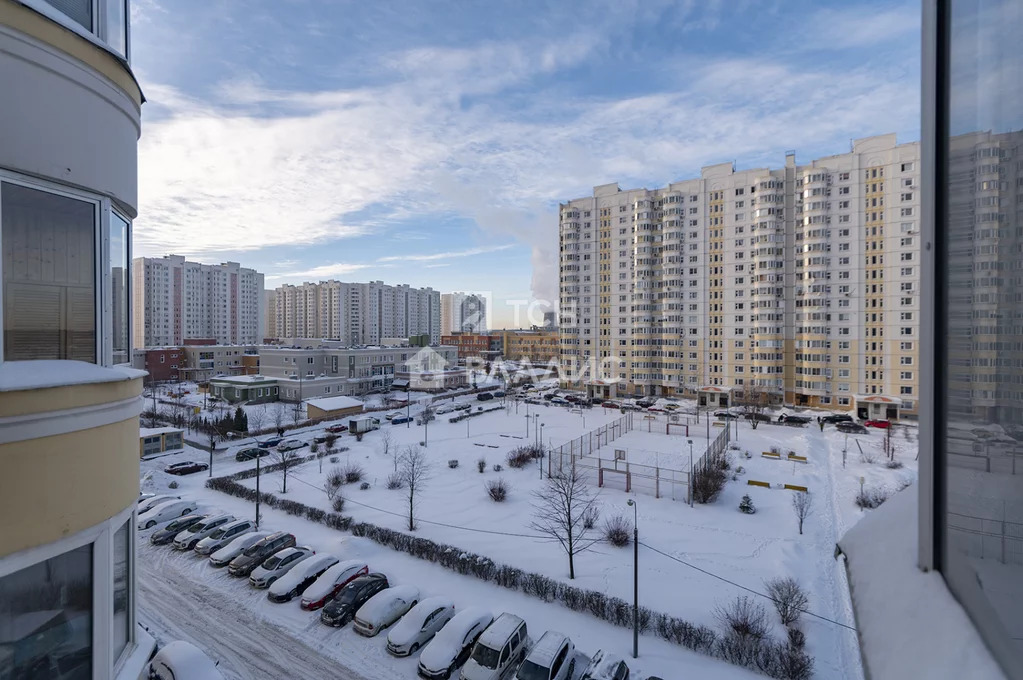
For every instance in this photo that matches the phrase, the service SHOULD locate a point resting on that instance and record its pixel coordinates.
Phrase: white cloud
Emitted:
(326, 271)
(858, 27)
(445, 256)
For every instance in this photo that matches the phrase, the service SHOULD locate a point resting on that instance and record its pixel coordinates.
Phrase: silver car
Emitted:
(223, 535)
(187, 539)
(277, 565)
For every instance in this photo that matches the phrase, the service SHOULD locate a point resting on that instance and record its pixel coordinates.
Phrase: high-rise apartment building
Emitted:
(463, 313)
(177, 300)
(69, 426)
(356, 313)
(801, 282)
(269, 329)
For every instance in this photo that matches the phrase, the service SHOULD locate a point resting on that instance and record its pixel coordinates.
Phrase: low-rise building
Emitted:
(244, 388)
(486, 346)
(538, 346)
(162, 363)
(157, 440)
(203, 362)
(333, 407)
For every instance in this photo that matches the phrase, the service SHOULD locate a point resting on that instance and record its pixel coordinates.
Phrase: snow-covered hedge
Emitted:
(472, 414)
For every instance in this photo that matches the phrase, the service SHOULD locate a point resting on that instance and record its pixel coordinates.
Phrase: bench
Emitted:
(718, 423)
(771, 454)
(794, 487)
(798, 459)
(753, 482)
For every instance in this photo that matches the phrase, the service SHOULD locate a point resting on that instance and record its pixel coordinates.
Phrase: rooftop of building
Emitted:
(334, 403)
(43, 373)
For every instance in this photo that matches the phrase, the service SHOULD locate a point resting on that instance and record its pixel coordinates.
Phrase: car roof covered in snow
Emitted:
(500, 630)
(376, 605)
(301, 571)
(547, 647)
(448, 643)
(325, 583)
(603, 665)
(187, 661)
(415, 617)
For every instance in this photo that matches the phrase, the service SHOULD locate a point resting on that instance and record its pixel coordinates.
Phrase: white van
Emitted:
(499, 651)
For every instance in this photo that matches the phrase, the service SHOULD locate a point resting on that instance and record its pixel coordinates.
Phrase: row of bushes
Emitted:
(524, 455)
(778, 660)
(472, 414)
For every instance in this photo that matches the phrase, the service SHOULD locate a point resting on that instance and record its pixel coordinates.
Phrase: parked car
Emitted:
(463, 406)
(331, 582)
(270, 443)
(761, 417)
(384, 608)
(291, 444)
(223, 557)
(342, 608)
(725, 415)
(420, 625)
(501, 647)
(445, 408)
(294, 583)
(224, 535)
(187, 539)
(165, 512)
(551, 658)
(484, 396)
(535, 402)
(337, 429)
(606, 666)
(798, 421)
(596, 400)
(401, 420)
(645, 403)
(167, 534)
(550, 395)
(838, 418)
(250, 453)
(657, 409)
(255, 554)
(452, 645)
(154, 500)
(607, 403)
(560, 401)
(277, 565)
(178, 660)
(144, 496)
(851, 428)
(882, 424)
(394, 414)
(185, 467)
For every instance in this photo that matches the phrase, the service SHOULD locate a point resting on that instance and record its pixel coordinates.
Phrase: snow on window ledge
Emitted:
(904, 615)
(40, 374)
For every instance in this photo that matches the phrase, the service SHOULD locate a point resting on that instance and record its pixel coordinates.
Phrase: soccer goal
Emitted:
(676, 428)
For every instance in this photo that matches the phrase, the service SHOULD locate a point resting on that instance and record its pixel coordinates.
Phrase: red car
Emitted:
(337, 429)
(883, 424)
(330, 583)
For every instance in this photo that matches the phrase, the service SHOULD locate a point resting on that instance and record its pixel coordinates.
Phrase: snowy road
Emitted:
(173, 607)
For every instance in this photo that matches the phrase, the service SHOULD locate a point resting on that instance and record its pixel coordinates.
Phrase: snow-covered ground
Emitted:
(734, 548)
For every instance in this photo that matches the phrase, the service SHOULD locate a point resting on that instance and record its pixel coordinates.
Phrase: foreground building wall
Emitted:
(68, 416)
(800, 282)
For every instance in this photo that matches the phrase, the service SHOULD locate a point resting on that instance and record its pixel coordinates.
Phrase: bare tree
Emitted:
(560, 509)
(258, 420)
(753, 402)
(414, 469)
(296, 414)
(278, 417)
(802, 505)
(387, 447)
(287, 460)
(789, 598)
(330, 441)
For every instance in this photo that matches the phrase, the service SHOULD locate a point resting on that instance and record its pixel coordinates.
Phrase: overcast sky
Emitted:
(429, 143)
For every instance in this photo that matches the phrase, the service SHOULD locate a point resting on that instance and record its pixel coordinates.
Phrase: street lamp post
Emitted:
(690, 473)
(408, 404)
(540, 457)
(257, 492)
(635, 579)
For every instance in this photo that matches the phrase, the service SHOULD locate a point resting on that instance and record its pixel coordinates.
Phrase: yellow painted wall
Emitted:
(55, 486)
(22, 402)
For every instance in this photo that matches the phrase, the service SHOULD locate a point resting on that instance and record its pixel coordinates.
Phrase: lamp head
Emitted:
(631, 502)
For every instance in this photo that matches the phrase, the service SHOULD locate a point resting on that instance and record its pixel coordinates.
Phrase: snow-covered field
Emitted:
(735, 549)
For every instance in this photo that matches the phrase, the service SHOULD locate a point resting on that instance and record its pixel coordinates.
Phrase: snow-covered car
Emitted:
(167, 534)
(294, 583)
(385, 608)
(223, 557)
(500, 648)
(179, 660)
(270, 443)
(154, 500)
(187, 539)
(605, 666)
(223, 535)
(331, 582)
(464, 406)
(277, 565)
(452, 645)
(851, 428)
(560, 401)
(446, 408)
(186, 467)
(165, 512)
(291, 444)
(394, 414)
(144, 496)
(419, 625)
(342, 608)
(551, 658)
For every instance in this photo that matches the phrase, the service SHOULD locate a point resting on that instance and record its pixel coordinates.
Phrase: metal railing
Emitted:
(988, 538)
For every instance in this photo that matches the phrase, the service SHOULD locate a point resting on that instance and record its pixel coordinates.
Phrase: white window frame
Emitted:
(96, 35)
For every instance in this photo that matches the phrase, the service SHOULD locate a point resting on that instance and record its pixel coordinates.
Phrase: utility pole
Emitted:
(257, 492)
(635, 579)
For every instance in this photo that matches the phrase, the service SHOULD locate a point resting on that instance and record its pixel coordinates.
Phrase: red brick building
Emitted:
(161, 362)
(472, 345)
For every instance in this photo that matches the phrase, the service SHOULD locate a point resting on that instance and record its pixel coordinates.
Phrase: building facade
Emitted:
(202, 362)
(538, 346)
(356, 313)
(269, 330)
(161, 363)
(485, 346)
(178, 300)
(463, 313)
(801, 282)
(325, 371)
(69, 404)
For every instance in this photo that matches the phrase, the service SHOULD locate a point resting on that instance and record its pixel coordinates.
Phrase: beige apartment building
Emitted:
(800, 282)
(69, 407)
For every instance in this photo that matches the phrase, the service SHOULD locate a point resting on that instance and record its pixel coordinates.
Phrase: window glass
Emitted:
(50, 604)
(116, 25)
(49, 275)
(80, 11)
(119, 277)
(122, 589)
(979, 349)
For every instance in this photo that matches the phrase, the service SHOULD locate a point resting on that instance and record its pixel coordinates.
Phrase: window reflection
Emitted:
(119, 273)
(983, 350)
(47, 612)
(122, 591)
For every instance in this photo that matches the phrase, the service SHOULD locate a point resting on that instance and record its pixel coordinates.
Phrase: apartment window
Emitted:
(122, 589)
(109, 23)
(906, 167)
(58, 590)
(49, 244)
(906, 212)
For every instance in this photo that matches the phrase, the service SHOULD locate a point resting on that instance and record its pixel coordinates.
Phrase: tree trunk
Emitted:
(411, 524)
